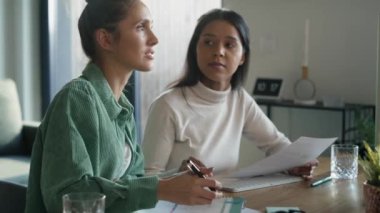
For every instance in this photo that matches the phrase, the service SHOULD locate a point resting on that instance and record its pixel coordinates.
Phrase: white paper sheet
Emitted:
(222, 205)
(298, 153)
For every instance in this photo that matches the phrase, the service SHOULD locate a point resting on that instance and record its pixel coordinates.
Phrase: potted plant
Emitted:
(363, 130)
(370, 163)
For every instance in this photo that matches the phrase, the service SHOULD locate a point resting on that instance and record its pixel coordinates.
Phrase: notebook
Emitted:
(244, 184)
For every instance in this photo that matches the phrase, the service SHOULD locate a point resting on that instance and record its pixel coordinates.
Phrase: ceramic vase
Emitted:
(371, 198)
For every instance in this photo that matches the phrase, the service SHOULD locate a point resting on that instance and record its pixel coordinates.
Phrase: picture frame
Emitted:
(268, 88)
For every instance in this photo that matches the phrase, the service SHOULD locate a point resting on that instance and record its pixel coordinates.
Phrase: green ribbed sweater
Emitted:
(80, 146)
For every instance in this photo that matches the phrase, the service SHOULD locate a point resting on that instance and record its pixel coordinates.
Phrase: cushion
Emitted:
(15, 169)
(10, 120)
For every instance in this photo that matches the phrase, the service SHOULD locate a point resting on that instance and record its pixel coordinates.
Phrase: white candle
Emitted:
(306, 46)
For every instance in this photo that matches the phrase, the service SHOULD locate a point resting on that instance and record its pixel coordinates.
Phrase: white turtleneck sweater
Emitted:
(206, 124)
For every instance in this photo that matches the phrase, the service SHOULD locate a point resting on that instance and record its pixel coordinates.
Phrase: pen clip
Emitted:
(194, 168)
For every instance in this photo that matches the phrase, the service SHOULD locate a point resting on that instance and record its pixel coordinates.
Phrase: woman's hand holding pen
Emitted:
(188, 189)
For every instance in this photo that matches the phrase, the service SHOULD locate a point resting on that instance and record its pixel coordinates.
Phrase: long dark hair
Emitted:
(192, 73)
(98, 14)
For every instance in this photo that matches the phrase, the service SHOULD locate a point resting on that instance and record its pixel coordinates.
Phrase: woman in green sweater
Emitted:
(86, 141)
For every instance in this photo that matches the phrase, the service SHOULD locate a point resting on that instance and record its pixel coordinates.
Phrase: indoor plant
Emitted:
(363, 129)
(370, 164)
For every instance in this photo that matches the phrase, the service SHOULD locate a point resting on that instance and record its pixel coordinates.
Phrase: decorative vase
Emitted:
(371, 198)
(304, 89)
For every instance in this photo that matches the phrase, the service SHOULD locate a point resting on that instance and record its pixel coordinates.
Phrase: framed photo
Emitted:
(268, 88)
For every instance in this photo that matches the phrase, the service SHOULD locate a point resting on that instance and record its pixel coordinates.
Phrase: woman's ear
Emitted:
(242, 60)
(104, 39)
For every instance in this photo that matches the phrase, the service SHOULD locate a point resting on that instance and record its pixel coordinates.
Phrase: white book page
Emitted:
(222, 205)
(296, 154)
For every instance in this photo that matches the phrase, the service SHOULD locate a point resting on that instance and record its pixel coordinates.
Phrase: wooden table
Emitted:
(343, 196)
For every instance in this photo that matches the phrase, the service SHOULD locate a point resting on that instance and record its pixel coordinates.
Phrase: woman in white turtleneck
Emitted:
(206, 112)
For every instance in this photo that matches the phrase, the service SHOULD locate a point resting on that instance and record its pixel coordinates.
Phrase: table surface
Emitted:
(341, 196)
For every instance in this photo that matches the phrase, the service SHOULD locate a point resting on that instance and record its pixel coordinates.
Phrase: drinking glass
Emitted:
(344, 161)
(83, 202)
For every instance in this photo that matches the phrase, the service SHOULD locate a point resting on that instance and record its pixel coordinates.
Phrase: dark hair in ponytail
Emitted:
(98, 14)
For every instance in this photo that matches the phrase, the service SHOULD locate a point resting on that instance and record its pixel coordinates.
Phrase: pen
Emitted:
(321, 181)
(194, 168)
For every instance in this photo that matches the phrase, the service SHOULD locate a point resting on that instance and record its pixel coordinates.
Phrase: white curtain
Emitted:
(377, 120)
(173, 29)
(66, 57)
(20, 47)
(19, 52)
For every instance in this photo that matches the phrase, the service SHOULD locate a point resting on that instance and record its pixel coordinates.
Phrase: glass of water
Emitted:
(83, 202)
(344, 161)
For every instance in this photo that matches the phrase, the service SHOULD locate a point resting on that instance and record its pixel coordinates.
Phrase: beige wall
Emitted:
(342, 44)
(342, 56)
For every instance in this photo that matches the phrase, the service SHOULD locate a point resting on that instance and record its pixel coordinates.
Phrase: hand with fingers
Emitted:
(306, 171)
(188, 189)
(205, 170)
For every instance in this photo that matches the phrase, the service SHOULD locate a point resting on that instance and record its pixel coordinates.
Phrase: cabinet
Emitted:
(348, 113)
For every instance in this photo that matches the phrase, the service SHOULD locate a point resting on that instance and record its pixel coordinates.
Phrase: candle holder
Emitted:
(304, 89)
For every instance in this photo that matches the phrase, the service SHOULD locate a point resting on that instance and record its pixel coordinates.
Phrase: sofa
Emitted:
(15, 156)
(16, 141)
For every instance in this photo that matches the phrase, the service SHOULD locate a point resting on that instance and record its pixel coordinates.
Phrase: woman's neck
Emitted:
(116, 76)
(216, 85)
